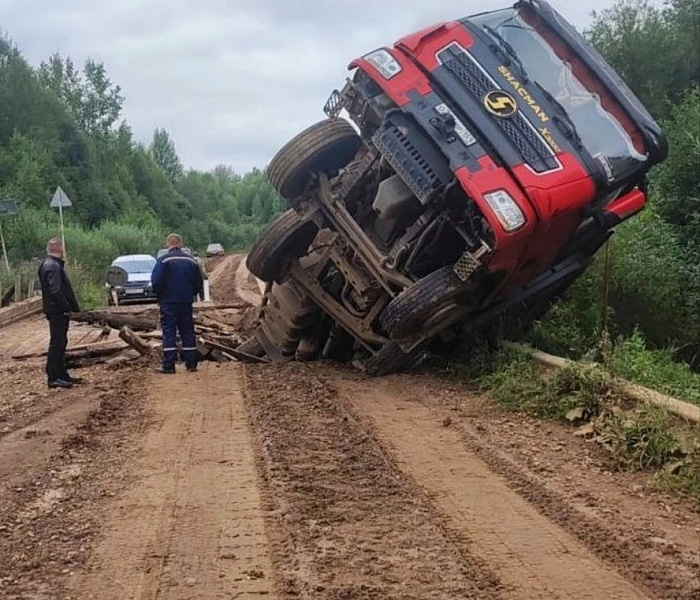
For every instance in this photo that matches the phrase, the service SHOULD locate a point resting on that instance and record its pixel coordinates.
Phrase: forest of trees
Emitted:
(61, 125)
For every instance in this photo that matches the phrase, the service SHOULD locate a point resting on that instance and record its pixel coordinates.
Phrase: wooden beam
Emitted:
(135, 341)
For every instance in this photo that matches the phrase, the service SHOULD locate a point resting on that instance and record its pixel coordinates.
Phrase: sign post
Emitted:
(7, 207)
(60, 199)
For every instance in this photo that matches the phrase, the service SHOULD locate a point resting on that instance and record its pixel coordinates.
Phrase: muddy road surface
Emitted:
(312, 481)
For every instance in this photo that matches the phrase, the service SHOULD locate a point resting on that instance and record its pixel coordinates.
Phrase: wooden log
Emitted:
(152, 335)
(208, 307)
(94, 349)
(135, 341)
(18, 288)
(135, 322)
(242, 356)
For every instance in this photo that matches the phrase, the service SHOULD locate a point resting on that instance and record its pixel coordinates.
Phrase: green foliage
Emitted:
(654, 50)
(90, 97)
(516, 381)
(162, 150)
(682, 476)
(655, 369)
(640, 439)
(677, 181)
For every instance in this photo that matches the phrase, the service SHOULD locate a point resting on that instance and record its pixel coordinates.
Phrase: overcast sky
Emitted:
(231, 80)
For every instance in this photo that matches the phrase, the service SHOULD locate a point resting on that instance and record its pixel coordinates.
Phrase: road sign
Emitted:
(60, 199)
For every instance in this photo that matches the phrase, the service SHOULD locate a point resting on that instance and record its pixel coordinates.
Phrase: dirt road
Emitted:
(312, 481)
(191, 525)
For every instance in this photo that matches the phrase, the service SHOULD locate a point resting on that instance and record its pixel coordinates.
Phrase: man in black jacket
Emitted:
(59, 301)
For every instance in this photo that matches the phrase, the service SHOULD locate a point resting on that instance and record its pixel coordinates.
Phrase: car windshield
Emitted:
(136, 266)
(600, 131)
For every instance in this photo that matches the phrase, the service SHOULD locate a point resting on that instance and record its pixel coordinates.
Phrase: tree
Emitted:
(677, 180)
(163, 151)
(92, 100)
(655, 51)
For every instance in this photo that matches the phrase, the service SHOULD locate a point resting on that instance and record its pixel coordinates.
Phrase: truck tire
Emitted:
(406, 313)
(391, 359)
(324, 147)
(287, 238)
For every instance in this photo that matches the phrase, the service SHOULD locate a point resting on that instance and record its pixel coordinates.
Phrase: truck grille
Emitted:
(527, 141)
(407, 161)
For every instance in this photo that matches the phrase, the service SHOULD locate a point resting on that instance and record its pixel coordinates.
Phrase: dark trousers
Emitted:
(56, 360)
(174, 319)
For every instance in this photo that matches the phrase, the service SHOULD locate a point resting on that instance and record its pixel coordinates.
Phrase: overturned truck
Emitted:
(490, 159)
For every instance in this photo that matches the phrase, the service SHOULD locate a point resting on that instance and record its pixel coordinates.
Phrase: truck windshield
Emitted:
(601, 131)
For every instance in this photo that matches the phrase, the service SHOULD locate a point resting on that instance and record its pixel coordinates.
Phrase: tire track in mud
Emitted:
(348, 524)
(647, 541)
(532, 555)
(191, 524)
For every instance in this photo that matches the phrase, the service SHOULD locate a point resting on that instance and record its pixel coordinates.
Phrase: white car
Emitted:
(129, 278)
(215, 249)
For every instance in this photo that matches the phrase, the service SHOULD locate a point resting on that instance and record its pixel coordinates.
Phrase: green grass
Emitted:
(655, 369)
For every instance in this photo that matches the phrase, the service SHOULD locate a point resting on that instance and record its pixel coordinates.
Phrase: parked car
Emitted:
(490, 158)
(129, 278)
(215, 250)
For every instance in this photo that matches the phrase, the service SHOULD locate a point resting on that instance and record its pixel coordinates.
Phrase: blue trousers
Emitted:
(174, 319)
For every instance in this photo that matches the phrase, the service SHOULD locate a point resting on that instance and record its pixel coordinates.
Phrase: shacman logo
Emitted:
(500, 103)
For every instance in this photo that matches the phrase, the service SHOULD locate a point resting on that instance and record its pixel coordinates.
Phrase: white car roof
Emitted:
(132, 257)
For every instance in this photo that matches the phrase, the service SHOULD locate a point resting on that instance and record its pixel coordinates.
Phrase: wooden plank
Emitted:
(235, 353)
(21, 310)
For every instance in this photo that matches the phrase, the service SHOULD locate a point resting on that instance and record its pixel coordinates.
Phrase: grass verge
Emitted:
(638, 437)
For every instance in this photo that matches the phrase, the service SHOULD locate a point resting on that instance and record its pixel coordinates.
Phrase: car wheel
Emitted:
(324, 147)
(287, 238)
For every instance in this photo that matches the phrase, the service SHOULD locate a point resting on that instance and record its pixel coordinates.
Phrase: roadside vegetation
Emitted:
(584, 395)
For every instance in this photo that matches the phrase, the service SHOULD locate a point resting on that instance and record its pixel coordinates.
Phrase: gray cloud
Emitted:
(231, 80)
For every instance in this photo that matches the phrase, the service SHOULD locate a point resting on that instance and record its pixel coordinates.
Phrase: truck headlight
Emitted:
(384, 62)
(506, 209)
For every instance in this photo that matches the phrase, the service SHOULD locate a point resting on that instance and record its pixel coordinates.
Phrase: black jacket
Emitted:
(56, 290)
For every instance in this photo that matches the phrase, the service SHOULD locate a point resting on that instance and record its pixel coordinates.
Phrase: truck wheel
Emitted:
(286, 239)
(391, 359)
(428, 299)
(324, 147)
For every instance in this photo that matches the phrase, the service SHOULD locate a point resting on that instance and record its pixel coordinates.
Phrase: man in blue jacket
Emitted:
(177, 280)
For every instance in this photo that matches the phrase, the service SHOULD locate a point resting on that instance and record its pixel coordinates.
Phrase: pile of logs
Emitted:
(128, 336)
